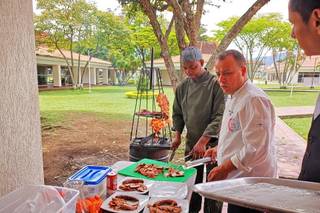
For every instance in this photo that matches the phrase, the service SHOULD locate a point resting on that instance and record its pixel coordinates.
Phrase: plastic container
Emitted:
(40, 199)
(94, 178)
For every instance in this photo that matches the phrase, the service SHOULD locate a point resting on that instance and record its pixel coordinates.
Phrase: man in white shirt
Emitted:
(246, 141)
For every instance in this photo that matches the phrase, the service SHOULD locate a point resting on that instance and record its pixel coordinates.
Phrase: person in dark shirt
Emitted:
(305, 18)
(198, 106)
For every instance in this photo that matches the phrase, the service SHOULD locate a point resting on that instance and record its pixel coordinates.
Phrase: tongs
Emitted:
(173, 152)
(198, 162)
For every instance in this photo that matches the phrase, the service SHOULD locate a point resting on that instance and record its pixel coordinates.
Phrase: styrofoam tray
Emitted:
(183, 203)
(169, 189)
(143, 199)
(265, 194)
(147, 183)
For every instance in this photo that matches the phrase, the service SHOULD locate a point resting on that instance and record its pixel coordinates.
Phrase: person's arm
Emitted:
(257, 121)
(213, 127)
(177, 118)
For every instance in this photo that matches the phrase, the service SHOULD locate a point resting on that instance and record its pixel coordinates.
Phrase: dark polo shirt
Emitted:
(310, 170)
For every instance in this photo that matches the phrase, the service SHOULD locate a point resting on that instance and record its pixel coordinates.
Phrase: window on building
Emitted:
(65, 76)
(45, 76)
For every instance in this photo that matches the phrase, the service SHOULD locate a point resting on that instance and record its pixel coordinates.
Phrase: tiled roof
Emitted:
(206, 50)
(44, 51)
(308, 63)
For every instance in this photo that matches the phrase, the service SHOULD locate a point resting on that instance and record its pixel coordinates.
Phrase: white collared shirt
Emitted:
(247, 134)
(317, 108)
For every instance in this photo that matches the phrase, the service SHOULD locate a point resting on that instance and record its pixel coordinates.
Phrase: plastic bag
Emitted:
(37, 199)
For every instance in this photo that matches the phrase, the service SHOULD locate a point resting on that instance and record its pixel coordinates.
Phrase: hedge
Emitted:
(134, 94)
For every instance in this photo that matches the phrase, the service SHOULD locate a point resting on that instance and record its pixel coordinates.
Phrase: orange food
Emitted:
(163, 103)
(90, 205)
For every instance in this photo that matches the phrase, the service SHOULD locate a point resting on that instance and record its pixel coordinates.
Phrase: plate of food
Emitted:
(125, 202)
(137, 185)
(169, 189)
(156, 204)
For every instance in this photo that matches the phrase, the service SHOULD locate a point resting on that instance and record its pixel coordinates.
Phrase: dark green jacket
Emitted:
(198, 106)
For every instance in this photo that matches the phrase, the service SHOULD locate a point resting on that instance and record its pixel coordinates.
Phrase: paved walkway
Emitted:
(290, 145)
(299, 111)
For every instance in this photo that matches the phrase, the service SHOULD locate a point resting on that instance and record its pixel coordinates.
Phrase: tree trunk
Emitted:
(149, 11)
(21, 151)
(274, 59)
(244, 19)
(180, 35)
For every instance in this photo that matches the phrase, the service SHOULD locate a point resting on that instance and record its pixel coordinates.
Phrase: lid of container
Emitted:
(91, 175)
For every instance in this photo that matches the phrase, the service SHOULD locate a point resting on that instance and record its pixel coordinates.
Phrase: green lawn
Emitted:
(299, 125)
(110, 102)
(277, 86)
(283, 99)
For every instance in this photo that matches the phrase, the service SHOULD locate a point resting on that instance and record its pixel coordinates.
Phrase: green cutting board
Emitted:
(130, 171)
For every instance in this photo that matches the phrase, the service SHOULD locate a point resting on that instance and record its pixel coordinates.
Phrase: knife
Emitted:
(173, 152)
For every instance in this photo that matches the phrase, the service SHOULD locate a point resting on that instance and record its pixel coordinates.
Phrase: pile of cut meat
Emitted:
(165, 206)
(133, 185)
(149, 170)
(123, 202)
(174, 173)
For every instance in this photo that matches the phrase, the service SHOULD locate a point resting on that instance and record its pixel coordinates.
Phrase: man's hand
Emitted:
(176, 141)
(221, 172)
(200, 148)
(212, 153)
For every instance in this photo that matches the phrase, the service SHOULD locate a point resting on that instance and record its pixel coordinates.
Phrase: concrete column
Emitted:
(93, 76)
(20, 134)
(105, 76)
(113, 75)
(56, 72)
(85, 78)
(76, 76)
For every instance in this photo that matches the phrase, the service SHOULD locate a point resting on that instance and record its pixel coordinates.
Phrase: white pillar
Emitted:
(105, 76)
(20, 135)
(56, 72)
(93, 77)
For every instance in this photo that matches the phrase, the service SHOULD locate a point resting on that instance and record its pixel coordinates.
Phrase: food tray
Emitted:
(265, 194)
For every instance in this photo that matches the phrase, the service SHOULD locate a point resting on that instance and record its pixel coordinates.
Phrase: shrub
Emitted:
(131, 81)
(144, 95)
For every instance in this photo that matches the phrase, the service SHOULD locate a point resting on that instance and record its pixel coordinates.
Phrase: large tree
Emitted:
(65, 23)
(186, 16)
(286, 53)
(143, 36)
(254, 39)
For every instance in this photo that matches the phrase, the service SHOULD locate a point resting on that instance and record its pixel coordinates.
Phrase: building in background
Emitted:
(52, 69)
(308, 74)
